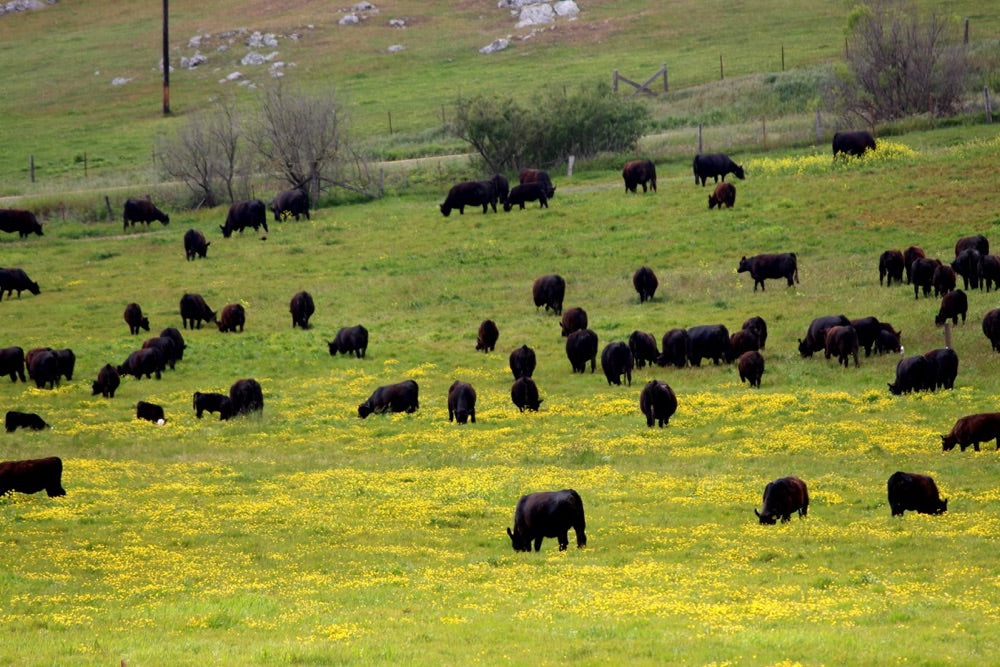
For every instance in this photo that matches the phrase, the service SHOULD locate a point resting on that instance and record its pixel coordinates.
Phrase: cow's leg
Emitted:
(538, 540)
(563, 540)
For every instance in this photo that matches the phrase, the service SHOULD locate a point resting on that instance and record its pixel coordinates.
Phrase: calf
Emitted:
(522, 362)
(910, 491)
(519, 194)
(524, 394)
(549, 291)
(616, 361)
(301, 308)
(887, 341)
(639, 172)
(953, 304)
(151, 412)
(195, 244)
(31, 476)
(972, 430)
(246, 396)
(574, 319)
(212, 402)
(782, 497)
(290, 203)
(581, 346)
(675, 345)
(658, 403)
(350, 340)
(854, 143)
(751, 367)
(642, 345)
(399, 397)
(945, 364)
(233, 316)
(15, 420)
(16, 280)
(141, 210)
(548, 514)
(913, 374)
(890, 267)
(842, 341)
(645, 283)
(194, 310)
(107, 382)
(147, 361)
(135, 319)
(23, 223)
(780, 265)
(815, 339)
(714, 165)
(989, 271)
(12, 363)
(922, 275)
(486, 338)
(943, 280)
(469, 193)
(725, 194)
(528, 176)
(742, 341)
(461, 402)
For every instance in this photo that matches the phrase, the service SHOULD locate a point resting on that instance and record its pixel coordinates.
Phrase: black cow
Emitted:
(195, 244)
(179, 344)
(212, 402)
(290, 203)
(12, 363)
(31, 476)
(519, 194)
(243, 214)
(23, 223)
(842, 341)
(708, 341)
(770, 265)
(135, 319)
(966, 264)
(782, 497)
(658, 403)
(350, 340)
(867, 329)
(616, 361)
(675, 345)
(972, 430)
(501, 188)
(529, 176)
(151, 412)
(147, 361)
(194, 310)
(890, 267)
(548, 514)
(469, 193)
(910, 491)
(549, 291)
(953, 304)
(945, 363)
(15, 420)
(522, 362)
(233, 316)
(888, 341)
(724, 194)
(107, 382)
(167, 347)
(758, 326)
(645, 283)
(991, 329)
(581, 346)
(301, 307)
(913, 374)
(751, 367)
(573, 319)
(943, 279)
(714, 165)
(246, 396)
(922, 275)
(399, 397)
(989, 271)
(461, 402)
(43, 367)
(67, 362)
(910, 255)
(815, 339)
(524, 394)
(742, 341)
(639, 172)
(486, 337)
(141, 210)
(16, 280)
(853, 143)
(978, 242)
(642, 345)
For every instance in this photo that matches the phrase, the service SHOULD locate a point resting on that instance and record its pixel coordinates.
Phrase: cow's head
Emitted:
(445, 210)
(365, 409)
(948, 442)
(895, 391)
(804, 349)
(942, 507)
(144, 323)
(744, 264)
(96, 388)
(227, 231)
(739, 172)
(765, 518)
(518, 541)
(333, 347)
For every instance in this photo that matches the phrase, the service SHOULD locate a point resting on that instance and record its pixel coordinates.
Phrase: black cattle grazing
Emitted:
(399, 397)
(953, 304)
(212, 402)
(890, 267)
(135, 319)
(145, 362)
(675, 348)
(519, 194)
(573, 319)
(461, 402)
(815, 339)
(867, 329)
(32, 476)
(301, 307)
(581, 347)
(714, 165)
(524, 394)
(842, 342)
(887, 341)
(742, 341)
(642, 345)
(43, 367)
(913, 374)
(549, 291)
(616, 361)
(780, 265)
(15, 420)
(141, 210)
(468, 193)
(708, 341)
(179, 344)
(529, 176)
(853, 143)
(243, 214)
(20, 222)
(12, 363)
(782, 497)
(151, 412)
(639, 172)
(971, 430)
(991, 329)
(978, 242)
(658, 403)
(910, 255)
(966, 264)
(67, 362)
(107, 382)
(943, 279)
(350, 340)
(195, 244)
(724, 194)
(758, 326)
(945, 363)
(501, 188)
(548, 514)
(16, 280)
(290, 203)
(645, 283)
(194, 310)
(246, 396)
(922, 275)
(167, 348)
(522, 362)
(486, 337)
(989, 271)
(917, 493)
(233, 317)
(751, 367)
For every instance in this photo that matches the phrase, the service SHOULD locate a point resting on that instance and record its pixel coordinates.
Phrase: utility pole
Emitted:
(166, 58)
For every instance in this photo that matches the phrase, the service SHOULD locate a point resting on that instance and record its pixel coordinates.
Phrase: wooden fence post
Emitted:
(699, 137)
(965, 39)
(819, 128)
(85, 164)
(614, 81)
(782, 57)
(107, 204)
(666, 85)
(722, 74)
(31, 167)
(763, 129)
(986, 101)
(389, 113)
(569, 165)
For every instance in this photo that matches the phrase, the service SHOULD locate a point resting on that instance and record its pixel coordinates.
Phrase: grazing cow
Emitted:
(972, 430)
(953, 304)
(350, 340)
(922, 275)
(147, 361)
(888, 341)
(910, 255)
(978, 242)
(233, 316)
(301, 308)
(107, 382)
(529, 176)
(243, 214)
(966, 264)
(751, 367)
(195, 244)
(574, 319)
(43, 367)
(675, 345)
(782, 497)
(519, 194)
(212, 402)
(842, 341)
(548, 514)
(469, 193)
(549, 291)
(31, 476)
(725, 193)
(616, 361)
(758, 326)
(645, 283)
(399, 397)
(167, 347)
(642, 345)
(486, 337)
(246, 396)
(781, 265)
(890, 267)
(708, 341)
(913, 374)
(12, 363)
(581, 346)
(943, 279)
(815, 339)
(16, 280)
(714, 165)
(141, 210)
(742, 341)
(290, 203)
(179, 344)
(522, 362)
(658, 403)
(15, 420)
(194, 310)
(917, 493)
(67, 362)
(151, 412)
(461, 402)
(639, 172)
(945, 363)
(989, 271)
(501, 188)
(853, 143)
(991, 329)
(524, 394)
(23, 223)
(135, 319)
(867, 329)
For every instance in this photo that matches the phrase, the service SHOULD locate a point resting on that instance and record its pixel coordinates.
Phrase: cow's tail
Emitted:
(796, 266)
(579, 503)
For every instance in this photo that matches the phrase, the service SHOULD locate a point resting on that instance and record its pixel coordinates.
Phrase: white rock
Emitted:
(495, 45)
(193, 61)
(566, 8)
(536, 15)
(396, 48)
(232, 77)
(349, 19)
(397, 23)
(517, 4)
(363, 7)
(119, 81)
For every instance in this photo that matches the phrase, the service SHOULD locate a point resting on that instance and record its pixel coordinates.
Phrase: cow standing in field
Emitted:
(910, 491)
(945, 364)
(43, 367)
(910, 255)
(195, 245)
(212, 402)
(548, 514)
(194, 310)
(758, 327)
(147, 361)
(573, 319)
(708, 341)
(67, 362)
(549, 291)
(639, 172)
(167, 347)
(461, 402)
(524, 394)
(943, 280)
(782, 497)
(888, 341)
(842, 341)
(675, 345)
(243, 214)
(469, 193)
(539, 177)
(16, 280)
(922, 275)
(867, 329)
(400, 397)
(978, 242)
(179, 345)
(522, 362)
(246, 396)
(486, 337)
(12, 363)
(14, 420)
(972, 430)
(853, 143)
(751, 367)
(989, 271)
(233, 317)
(724, 194)
(714, 165)
(780, 265)
(966, 264)
(953, 305)
(290, 203)
(107, 382)
(991, 329)
(742, 341)
(519, 194)
(890, 267)
(20, 222)
(581, 346)
(32, 476)
(301, 308)
(642, 345)
(815, 339)
(645, 283)
(135, 319)
(141, 210)
(350, 340)
(616, 361)
(658, 403)
(913, 374)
